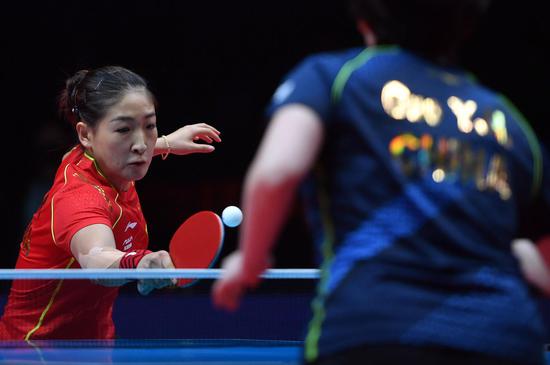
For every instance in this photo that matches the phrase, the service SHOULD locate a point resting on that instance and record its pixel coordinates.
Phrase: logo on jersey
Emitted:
(449, 159)
(127, 244)
(400, 103)
(130, 225)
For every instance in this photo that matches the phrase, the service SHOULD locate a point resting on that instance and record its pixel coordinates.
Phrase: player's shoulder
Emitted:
(323, 66)
(81, 189)
(332, 60)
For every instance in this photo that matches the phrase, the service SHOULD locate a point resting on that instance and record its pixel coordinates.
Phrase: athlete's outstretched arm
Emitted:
(287, 152)
(183, 140)
(94, 247)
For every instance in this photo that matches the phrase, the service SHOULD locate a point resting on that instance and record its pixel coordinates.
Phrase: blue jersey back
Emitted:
(417, 196)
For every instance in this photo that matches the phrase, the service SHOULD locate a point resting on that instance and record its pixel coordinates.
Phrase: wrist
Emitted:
(167, 148)
(131, 259)
(251, 275)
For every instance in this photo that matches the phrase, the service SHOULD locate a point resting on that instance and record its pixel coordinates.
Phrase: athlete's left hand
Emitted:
(184, 140)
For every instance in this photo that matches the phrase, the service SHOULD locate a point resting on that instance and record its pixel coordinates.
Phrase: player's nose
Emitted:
(139, 143)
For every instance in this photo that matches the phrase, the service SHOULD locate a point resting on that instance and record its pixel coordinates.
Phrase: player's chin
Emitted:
(137, 171)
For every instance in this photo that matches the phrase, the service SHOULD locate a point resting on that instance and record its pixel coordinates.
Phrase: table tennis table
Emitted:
(142, 352)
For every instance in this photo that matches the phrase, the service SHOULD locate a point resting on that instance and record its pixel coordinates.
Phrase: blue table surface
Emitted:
(151, 352)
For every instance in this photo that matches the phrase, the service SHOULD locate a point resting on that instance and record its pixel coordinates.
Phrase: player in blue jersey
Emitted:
(416, 179)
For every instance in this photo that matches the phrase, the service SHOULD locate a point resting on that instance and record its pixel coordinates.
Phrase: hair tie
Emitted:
(74, 94)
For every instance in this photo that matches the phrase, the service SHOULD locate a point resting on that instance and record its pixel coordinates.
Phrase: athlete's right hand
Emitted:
(155, 260)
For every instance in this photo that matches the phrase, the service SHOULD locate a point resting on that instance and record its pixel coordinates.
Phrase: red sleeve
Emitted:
(543, 245)
(75, 209)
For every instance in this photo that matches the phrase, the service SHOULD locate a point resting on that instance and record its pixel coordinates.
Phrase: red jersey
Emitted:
(70, 309)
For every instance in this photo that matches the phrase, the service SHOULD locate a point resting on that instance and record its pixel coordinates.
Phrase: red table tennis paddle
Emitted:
(197, 243)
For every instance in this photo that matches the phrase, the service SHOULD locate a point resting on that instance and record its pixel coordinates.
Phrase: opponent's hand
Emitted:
(228, 290)
(183, 140)
(230, 287)
(155, 260)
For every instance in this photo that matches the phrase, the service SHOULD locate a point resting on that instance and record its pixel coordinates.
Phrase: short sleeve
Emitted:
(75, 209)
(309, 84)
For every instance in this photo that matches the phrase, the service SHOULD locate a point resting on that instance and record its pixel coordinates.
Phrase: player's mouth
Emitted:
(137, 163)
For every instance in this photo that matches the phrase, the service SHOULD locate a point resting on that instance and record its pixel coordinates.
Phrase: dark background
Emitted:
(206, 61)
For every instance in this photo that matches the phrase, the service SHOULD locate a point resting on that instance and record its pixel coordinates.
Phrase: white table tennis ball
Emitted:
(232, 216)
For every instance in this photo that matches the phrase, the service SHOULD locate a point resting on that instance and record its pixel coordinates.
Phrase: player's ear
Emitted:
(84, 131)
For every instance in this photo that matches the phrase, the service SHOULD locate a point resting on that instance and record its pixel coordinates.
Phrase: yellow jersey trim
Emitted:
(50, 303)
(51, 205)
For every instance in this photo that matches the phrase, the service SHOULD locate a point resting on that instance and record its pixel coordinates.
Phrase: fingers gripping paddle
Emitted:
(197, 243)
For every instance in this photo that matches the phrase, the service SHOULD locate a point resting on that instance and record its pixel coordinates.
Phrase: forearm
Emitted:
(187, 140)
(103, 258)
(266, 202)
(100, 258)
(285, 156)
(286, 153)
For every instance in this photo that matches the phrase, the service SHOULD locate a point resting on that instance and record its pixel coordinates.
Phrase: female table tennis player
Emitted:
(91, 217)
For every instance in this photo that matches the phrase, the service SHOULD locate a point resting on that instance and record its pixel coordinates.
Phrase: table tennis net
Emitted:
(277, 310)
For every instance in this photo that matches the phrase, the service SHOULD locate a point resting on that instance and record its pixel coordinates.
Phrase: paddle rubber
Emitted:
(197, 243)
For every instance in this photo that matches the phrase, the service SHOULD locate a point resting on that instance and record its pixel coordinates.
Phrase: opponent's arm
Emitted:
(286, 153)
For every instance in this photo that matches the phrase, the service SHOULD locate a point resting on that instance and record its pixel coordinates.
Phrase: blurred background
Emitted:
(206, 61)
